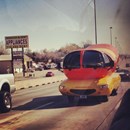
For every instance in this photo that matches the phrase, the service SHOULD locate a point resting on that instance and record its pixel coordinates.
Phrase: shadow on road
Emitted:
(58, 101)
(125, 80)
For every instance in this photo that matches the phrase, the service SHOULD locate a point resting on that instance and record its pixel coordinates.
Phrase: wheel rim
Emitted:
(7, 102)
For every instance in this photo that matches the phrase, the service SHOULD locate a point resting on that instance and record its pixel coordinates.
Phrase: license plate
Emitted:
(83, 96)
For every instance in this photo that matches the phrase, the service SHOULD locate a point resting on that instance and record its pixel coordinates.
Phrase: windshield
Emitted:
(92, 59)
(72, 60)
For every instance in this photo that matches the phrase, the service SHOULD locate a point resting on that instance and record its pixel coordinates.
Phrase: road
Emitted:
(44, 108)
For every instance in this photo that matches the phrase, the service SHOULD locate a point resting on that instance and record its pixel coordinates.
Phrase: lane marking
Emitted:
(113, 109)
(44, 105)
(23, 113)
(117, 106)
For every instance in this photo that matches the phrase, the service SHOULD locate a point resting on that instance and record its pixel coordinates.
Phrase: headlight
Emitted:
(103, 86)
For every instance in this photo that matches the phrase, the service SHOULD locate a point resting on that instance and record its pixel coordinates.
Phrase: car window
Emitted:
(106, 59)
(92, 58)
(72, 60)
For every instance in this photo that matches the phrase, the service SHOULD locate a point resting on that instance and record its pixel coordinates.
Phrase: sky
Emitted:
(51, 24)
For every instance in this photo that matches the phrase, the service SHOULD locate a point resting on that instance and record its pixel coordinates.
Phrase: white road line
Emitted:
(23, 113)
(44, 105)
(117, 106)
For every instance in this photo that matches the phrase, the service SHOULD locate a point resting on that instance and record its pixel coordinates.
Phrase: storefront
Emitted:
(5, 64)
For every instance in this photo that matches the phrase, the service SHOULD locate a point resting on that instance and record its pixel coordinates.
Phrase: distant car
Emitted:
(127, 64)
(46, 67)
(49, 74)
(30, 70)
(124, 74)
(40, 68)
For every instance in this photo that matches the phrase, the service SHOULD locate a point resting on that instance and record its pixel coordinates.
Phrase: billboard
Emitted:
(17, 41)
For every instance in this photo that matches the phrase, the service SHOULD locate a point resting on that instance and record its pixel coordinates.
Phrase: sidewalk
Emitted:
(38, 78)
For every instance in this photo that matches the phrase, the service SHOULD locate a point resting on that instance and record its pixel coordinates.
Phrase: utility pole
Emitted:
(95, 21)
(12, 62)
(23, 65)
(111, 35)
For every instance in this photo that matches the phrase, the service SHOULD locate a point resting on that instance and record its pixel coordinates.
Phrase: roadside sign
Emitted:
(17, 53)
(17, 41)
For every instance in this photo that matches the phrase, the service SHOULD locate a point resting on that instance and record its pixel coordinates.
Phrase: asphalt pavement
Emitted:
(37, 78)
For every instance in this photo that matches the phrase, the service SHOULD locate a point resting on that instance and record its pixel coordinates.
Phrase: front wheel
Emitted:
(103, 98)
(5, 102)
(114, 92)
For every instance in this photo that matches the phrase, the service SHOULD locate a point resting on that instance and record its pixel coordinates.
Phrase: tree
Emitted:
(3, 51)
(69, 48)
(86, 44)
(55, 55)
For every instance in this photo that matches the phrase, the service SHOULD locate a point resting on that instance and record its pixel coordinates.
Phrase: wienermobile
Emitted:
(91, 72)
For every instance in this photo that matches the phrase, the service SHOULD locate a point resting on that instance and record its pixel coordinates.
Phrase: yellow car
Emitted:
(92, 87)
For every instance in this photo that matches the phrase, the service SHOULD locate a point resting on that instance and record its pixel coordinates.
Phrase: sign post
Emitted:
(23, 65)
(12, 63)
(17, 42)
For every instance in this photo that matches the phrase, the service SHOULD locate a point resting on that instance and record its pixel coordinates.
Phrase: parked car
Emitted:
(124, 74)
(7, 87)
(39, 68)
(127, 64)
(30, 70)
(49, 74)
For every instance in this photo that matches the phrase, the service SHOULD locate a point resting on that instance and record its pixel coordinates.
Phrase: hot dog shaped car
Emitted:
(91, 72)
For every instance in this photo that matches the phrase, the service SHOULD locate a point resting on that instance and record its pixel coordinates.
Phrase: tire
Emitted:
(5, 102)
(103, 98)
(114, 92)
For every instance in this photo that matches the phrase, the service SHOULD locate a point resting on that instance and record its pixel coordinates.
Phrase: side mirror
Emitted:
(112, 63)
(117, 68)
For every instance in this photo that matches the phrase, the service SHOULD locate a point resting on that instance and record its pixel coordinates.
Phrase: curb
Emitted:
(39, 85)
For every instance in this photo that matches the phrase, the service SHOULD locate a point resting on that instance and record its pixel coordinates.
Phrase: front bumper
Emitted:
(91, 87)
(88, 92)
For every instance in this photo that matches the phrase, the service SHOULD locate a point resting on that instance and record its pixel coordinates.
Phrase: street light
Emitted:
(95, 20)
(111, 35)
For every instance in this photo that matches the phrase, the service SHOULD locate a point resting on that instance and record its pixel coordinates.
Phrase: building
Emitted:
(18, 64)
(5, 64)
